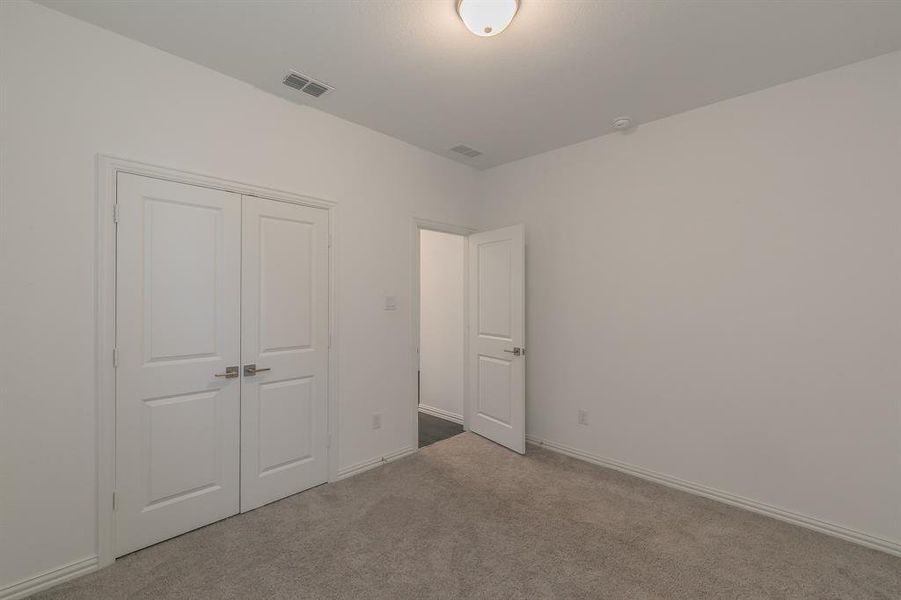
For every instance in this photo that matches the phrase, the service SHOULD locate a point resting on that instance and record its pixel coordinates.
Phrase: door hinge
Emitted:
(115, 357)
(116, 212)
(328, 440)
(115, 505)
(329, 240)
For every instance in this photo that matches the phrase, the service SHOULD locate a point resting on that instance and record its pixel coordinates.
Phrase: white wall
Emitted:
(71, 90)
(721, 290)
(441, 323)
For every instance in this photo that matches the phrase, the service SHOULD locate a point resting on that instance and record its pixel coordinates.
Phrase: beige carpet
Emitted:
(465, 518)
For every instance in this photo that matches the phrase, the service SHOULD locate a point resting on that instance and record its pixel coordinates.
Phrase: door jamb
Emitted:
(419, 224)
(105, 318)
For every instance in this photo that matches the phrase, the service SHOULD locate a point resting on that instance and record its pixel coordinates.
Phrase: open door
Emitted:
(497, 336)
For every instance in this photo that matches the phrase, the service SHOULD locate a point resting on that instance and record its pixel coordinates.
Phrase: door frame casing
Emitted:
(108, 167)
(418, 225)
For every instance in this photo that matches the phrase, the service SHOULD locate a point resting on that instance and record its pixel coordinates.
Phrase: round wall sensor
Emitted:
(622, 123)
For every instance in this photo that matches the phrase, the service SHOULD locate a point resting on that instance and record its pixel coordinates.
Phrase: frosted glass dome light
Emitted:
(487, 17)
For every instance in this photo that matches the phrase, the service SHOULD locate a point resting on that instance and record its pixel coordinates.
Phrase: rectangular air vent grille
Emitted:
(315, 89)
(306, 84)
(466, 151)
(296, 81)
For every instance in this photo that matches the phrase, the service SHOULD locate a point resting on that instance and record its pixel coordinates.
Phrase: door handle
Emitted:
(230, 372)
(252, 370)
(516, 351)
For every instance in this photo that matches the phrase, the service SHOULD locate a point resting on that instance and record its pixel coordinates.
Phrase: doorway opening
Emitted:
(441, 369)
(468, 348)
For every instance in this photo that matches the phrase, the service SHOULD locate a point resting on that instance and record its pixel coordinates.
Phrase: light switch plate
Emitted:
(390, 302)
(583, 417)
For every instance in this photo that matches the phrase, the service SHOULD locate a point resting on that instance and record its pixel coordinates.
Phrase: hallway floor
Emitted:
(433, 429)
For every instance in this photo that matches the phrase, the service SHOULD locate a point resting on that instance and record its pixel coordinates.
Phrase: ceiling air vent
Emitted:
(296, 81)
(306, 84)
(466, 151)
(315, 89)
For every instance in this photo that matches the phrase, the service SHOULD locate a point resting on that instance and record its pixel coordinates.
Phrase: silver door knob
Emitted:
(230, 372)
(516, 351)
(252, 370)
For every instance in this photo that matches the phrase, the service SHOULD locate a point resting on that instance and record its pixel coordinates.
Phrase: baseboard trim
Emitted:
(850, 535)
(441, 413)
(48, 579)
(366, 465)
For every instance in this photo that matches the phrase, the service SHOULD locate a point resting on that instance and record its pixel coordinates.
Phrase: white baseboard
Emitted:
(851, 535)
(362, 467)
(441, 413)
(47, 579)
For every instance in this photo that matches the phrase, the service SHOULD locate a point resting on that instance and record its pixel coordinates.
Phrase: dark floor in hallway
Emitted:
(432, 429)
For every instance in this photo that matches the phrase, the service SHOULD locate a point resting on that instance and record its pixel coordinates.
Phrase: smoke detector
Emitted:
(306, 84)
(622, 123)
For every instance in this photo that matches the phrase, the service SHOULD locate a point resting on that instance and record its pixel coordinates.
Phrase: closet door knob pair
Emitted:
(232, 372)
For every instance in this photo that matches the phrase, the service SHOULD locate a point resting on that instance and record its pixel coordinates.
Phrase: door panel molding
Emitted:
(107, 169)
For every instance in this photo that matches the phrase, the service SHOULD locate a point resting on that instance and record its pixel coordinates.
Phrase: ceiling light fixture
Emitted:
(487, 17)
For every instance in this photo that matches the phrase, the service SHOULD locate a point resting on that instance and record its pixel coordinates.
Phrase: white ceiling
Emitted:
(559, 74)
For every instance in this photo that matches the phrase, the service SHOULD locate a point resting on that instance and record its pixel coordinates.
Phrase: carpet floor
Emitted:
(465, 518)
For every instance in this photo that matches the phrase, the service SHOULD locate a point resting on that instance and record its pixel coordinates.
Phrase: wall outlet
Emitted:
(583, 417)
(376, 420)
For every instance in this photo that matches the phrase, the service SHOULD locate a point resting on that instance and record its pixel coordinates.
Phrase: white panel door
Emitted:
(177, 329)
(497, 336)
(285, 321)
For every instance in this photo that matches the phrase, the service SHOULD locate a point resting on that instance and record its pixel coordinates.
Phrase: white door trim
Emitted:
(105, 317)
(419, 224)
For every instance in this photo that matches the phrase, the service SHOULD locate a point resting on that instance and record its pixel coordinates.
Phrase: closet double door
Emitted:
(221, 352)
